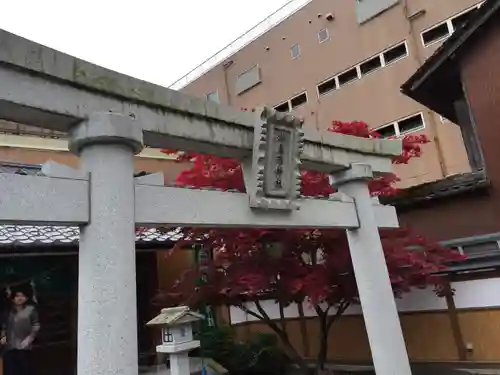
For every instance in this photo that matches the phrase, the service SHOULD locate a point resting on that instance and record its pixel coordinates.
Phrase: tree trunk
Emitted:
(323, 343)
(326, 323)
(288, 348)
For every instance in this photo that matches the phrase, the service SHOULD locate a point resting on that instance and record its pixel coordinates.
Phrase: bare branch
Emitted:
(250, 312)
(341, 309)
(262, 311)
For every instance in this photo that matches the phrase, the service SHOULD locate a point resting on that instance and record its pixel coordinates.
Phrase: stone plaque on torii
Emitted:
(110, 118)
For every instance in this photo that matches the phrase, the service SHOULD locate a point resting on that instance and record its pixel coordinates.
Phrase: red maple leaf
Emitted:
(307, 265)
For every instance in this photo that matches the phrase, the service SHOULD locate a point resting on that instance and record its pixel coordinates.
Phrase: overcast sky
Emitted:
(155, 40)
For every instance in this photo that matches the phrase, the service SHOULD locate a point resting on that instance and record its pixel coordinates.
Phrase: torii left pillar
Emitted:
(107, 316)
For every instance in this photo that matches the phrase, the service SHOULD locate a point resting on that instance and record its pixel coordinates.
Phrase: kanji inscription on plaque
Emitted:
(276, 159)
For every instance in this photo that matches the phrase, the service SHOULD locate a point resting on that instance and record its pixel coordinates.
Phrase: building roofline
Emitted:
(449, 51)
(241, 42)
(452, 186)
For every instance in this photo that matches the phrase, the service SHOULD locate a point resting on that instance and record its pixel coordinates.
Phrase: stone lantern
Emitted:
(177, 336)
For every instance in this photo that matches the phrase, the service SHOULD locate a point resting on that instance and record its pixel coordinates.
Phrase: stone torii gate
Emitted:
(110, 117)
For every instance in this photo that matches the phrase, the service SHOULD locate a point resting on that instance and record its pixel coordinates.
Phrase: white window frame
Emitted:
(335, 79)
(382, 57)
(298, 49)
(395, 124)
(449, 24)
(450, 31)
(358, 67)
(460, 248)
(300, 105)
(358, 76)
(382, 65)
(327, 35)
(167, 335)
(285, 102)
(289, 101)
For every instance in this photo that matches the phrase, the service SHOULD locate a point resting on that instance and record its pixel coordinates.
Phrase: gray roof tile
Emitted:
(36, 236)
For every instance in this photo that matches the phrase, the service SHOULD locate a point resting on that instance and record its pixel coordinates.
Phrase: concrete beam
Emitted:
(156, 206)
(46, 88)
(35, 200)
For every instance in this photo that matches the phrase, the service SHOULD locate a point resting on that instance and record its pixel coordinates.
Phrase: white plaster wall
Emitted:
(468, 294)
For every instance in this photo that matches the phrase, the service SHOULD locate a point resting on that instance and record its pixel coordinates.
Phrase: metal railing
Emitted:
(274, 19)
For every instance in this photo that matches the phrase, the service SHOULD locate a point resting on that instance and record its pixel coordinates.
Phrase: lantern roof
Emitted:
(175, 316)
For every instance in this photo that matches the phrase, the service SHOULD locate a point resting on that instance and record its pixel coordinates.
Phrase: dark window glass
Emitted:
(370, 65)
(348, 76)
(327, 86)
(461, 19)
(395, 53)
(298, 100)
(386, 131)
(435, 33)
(285, 107)
(410, 124)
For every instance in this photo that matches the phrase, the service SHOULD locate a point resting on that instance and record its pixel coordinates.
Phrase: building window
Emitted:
(447, 27)
(348, 76)
(395, 53)
(295, 51)
(298, 100)
(387, 131)
(373, 63)
(436, 34)
(292, 103)
(213, 97)
(327, 86)
(402, 127)
(480, 249)
(284, 107)
(323, 35)
(370, 65)
(458, 21)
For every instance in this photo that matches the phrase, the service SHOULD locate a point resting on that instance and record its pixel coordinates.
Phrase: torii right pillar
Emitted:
(380, 314)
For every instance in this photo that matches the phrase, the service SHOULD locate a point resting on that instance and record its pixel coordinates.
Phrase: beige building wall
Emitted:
(373, 98)
(31, 149)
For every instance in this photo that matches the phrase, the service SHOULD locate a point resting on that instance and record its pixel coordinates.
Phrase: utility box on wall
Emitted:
(367, 9)
(248, 79)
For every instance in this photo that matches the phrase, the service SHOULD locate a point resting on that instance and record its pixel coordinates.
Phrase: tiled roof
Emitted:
(22, 169)
(447, 187)
(27, 235)
(38, 236)
(173, 315)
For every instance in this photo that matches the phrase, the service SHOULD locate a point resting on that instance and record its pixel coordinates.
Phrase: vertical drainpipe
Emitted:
(225, 67)
(419, 59)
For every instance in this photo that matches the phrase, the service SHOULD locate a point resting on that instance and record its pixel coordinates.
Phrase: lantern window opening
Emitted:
(168, 337)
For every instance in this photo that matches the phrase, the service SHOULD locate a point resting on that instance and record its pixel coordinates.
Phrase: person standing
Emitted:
(19, 330)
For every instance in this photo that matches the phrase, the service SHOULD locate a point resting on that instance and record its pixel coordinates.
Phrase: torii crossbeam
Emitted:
(110, 117)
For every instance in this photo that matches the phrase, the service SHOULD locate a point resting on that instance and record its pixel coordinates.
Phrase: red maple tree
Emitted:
(312, 266)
